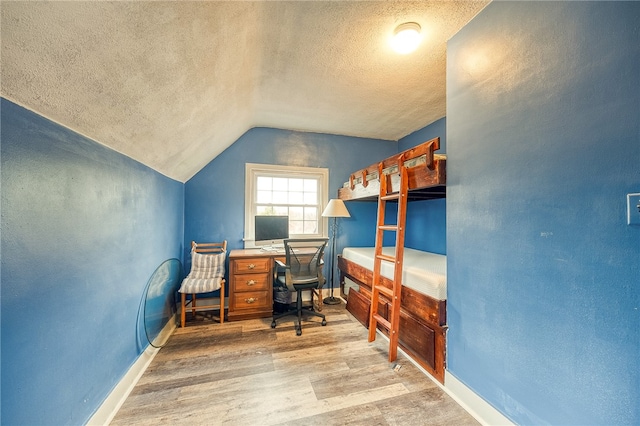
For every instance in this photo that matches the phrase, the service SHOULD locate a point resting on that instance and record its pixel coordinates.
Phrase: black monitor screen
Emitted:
(271, 228)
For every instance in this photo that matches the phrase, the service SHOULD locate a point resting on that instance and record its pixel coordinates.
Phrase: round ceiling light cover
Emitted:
(406, 38)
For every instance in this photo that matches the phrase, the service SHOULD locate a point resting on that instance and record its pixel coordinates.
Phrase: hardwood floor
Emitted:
(245, 373)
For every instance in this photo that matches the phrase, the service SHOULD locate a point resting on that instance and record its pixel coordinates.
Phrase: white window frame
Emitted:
(254, 170)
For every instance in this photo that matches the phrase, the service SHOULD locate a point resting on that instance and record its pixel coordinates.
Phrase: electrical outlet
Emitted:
(633, 209)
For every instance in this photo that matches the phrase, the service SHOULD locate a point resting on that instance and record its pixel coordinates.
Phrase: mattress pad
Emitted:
(422, 271)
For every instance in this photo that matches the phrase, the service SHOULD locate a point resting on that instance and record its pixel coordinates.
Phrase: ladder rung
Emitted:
(391, 196)
(386, 257)
(383, 322)
(386, 291)
(388, 227)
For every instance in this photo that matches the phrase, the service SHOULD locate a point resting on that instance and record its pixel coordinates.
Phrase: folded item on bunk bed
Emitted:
(422, 271)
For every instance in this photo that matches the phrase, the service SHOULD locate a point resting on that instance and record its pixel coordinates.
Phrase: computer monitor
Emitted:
(271, 230)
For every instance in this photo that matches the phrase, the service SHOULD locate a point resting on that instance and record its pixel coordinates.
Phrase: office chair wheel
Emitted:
(298, 331)
(324, 322)
(273, 324)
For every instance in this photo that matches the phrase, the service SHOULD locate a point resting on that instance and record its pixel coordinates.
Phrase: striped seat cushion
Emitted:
(207, 273)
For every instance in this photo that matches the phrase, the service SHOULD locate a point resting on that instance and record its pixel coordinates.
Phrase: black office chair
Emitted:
(302, 271)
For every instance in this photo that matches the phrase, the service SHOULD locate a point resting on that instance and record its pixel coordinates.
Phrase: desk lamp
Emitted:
(334, 209)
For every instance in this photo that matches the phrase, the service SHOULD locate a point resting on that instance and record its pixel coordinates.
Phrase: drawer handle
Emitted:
(251, 300)
(251, 266)
(251, 282)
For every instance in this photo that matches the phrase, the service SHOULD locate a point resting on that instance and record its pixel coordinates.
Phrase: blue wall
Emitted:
(214, 197)
(83, 229)
(543, 127)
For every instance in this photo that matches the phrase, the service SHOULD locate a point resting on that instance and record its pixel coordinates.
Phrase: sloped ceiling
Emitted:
(173, 84)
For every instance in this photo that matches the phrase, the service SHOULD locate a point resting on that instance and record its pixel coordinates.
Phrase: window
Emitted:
(298, 192)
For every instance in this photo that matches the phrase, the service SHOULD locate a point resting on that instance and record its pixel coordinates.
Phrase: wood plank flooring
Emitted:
(245, 373)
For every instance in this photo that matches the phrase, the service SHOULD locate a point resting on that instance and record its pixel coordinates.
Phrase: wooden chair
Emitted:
(207, 275)
(303, 271)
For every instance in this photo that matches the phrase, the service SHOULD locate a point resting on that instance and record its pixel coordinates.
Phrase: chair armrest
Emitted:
(280, 264)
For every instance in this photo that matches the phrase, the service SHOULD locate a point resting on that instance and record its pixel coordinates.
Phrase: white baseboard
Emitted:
(480, 409)
(473, 404)
(112, 403)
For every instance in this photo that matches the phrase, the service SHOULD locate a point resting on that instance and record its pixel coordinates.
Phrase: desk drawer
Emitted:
(254, 300)
(251, 282)
(252, 265)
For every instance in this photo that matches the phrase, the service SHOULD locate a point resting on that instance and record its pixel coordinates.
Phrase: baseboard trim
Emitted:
(472, 403)
(118, 395)
(480, 409)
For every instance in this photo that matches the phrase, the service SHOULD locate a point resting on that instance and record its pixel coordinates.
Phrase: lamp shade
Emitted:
(336, 208)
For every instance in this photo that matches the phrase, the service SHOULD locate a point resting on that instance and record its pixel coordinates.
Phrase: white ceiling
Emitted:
(173, 84)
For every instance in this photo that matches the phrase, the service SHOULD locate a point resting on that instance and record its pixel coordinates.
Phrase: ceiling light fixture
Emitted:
(406, 38)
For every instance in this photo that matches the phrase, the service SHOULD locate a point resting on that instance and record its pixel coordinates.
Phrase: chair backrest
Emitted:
(209, 248)
(208, 260)
(304, 258)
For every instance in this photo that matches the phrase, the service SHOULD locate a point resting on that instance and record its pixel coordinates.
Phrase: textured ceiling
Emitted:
(173, 84)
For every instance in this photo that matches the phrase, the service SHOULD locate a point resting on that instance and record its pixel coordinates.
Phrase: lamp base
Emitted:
(331, 300)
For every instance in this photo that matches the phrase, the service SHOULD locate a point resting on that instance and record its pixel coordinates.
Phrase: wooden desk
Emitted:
(251, 283)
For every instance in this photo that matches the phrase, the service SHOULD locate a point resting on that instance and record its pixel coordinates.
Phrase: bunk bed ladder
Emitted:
(393, 323)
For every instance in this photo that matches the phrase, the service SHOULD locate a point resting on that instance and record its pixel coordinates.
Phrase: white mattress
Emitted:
(422, 271)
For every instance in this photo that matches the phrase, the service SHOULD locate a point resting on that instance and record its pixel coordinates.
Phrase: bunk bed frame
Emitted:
(421, 325)
(426, 176)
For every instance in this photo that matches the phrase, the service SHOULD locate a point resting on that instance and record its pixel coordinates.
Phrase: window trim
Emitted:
(253, 170)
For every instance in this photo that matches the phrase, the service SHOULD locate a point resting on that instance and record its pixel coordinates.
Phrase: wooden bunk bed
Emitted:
(422, 317)
(426, 172)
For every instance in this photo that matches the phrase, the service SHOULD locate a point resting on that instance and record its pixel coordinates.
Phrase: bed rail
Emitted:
(426, 175)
